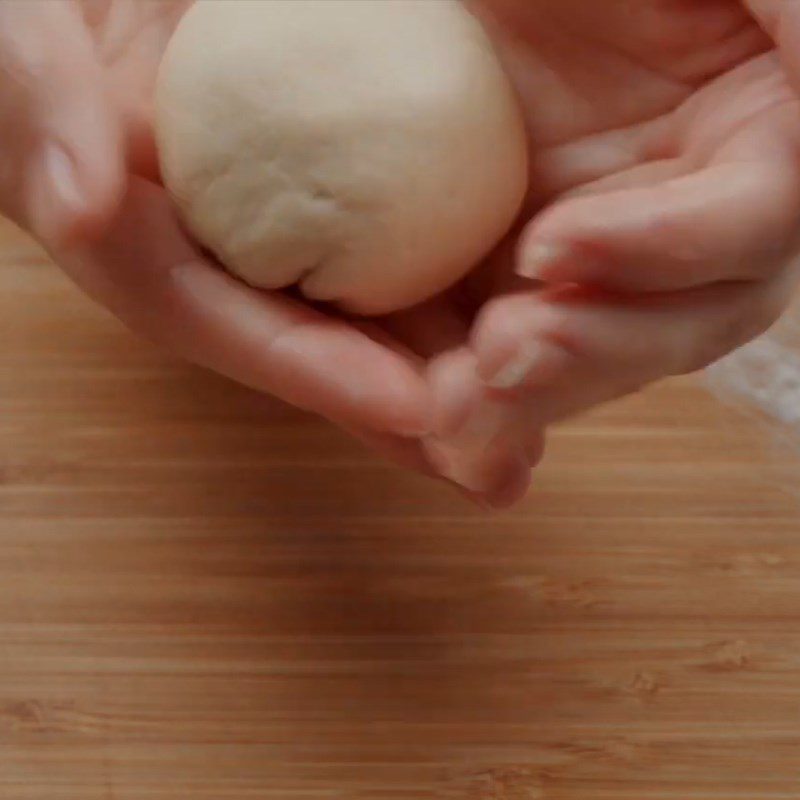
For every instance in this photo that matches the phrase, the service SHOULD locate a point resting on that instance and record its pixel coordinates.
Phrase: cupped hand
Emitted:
(662, 223)
(657, 234)
(78, 168)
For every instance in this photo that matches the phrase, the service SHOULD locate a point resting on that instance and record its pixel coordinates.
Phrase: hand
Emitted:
(663, 211)
(83, 109)
(78, 169)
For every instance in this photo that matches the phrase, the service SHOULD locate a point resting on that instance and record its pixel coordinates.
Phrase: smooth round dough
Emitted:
(370, 151)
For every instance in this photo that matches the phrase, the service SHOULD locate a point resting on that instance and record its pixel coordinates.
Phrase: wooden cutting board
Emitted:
(205, 595)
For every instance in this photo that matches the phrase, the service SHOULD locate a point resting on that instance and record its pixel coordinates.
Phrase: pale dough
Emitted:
(371, 151)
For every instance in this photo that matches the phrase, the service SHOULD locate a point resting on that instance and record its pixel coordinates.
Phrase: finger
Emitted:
(147, 272)
(734, 220)
(466, 447)
(132, 78)
(469, 413)
(498, 476)
(494, 475)
(410, 454)
(552, 354)
(60, 145)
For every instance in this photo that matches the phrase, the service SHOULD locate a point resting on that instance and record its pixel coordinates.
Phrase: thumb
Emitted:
(61, 156)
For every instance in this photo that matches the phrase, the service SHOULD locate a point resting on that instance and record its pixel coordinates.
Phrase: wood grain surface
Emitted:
(207, 596)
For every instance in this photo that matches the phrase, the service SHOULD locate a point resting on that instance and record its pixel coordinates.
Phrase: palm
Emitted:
(609, 87)
(617, 97)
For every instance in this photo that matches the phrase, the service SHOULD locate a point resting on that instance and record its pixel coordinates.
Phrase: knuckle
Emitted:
(679, 240)
(562, 330)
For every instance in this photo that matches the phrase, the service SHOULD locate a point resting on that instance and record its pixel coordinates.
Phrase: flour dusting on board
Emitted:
(764, 376)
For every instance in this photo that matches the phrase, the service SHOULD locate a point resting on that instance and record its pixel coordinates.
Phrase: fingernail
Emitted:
(58, 198)
(536, 361)
(539, 257)
(451, 464)
(515, 372)
(492, 488)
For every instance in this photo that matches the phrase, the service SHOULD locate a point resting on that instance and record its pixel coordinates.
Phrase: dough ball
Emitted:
(370, 151)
